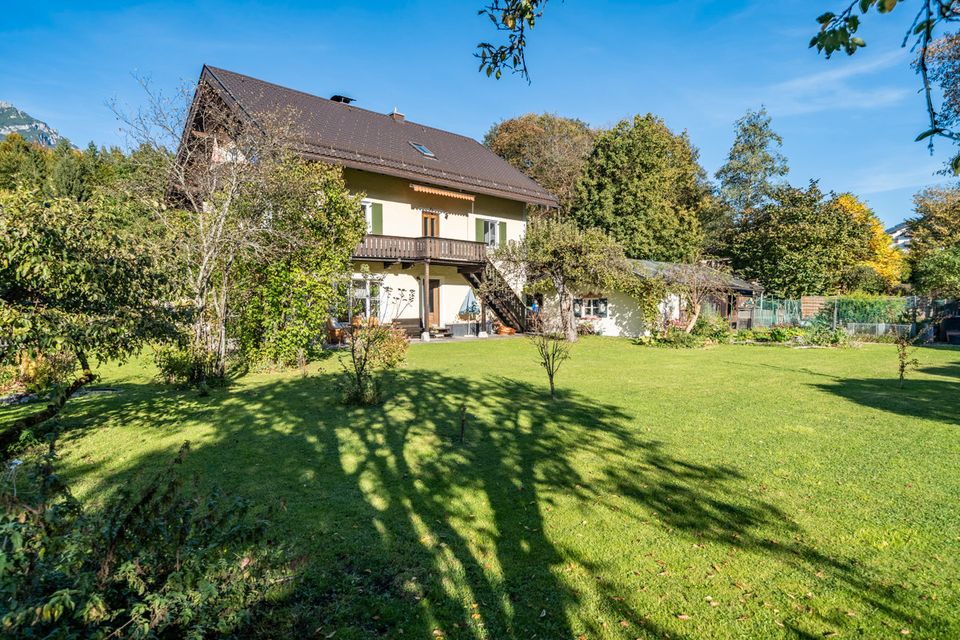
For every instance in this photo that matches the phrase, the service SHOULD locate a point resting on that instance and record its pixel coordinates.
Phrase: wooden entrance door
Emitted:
(431, 224)
(433, 302)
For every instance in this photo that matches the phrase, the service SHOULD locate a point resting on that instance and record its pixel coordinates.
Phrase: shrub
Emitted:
(9, 380)
(186, 365)
(864, 308)
(883, 338)
(713, 328)
(374, 349)
(41, 373)
(761, 335)
(824, 336)
(779, 334)
(586, 328)
(161, 561)
(677, 338)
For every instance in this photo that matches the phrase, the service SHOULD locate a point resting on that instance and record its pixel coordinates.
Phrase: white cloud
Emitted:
(835, 88)
(882, 179)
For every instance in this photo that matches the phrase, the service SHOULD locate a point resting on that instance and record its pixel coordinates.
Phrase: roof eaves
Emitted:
(379, 163)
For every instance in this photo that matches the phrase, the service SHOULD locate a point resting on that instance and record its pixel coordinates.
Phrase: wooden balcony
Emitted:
(437, 250)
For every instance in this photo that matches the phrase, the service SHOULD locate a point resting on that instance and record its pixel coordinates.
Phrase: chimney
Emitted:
(397, 116)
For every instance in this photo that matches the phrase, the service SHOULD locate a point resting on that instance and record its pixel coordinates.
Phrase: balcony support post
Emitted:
(482, 329)
(425, 302)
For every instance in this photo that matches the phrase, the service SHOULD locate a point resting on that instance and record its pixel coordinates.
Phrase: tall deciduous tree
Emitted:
(229, 191)
(880, 257)
(944, 70)
(838, 32)
(935, 235)
(937, 223)
(283, 293)
(549, 148)
(73, 278)
(751, 171)
(937, 273)
(644, 186)
(799, 243)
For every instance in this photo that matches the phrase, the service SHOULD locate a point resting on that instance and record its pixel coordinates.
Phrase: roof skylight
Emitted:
(423, 149)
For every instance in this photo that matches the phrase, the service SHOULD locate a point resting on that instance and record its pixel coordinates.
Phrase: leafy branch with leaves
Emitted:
(514, 17)
(74, 277)
(158, 560)
(838, 33)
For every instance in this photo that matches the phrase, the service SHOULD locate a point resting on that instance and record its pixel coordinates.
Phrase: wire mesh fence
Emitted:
(862, 315)
(880, 329)
(880, 318)
(765, 312)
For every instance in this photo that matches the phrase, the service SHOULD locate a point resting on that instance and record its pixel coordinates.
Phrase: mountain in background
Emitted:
(12, 120)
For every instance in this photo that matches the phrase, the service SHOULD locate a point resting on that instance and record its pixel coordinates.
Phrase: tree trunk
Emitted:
(694, 316)
(568, 322)
(222, 338)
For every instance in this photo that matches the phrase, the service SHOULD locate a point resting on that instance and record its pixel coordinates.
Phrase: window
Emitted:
(590, 307)
(361, 298)
(423, 149)
(490, 233)
(368, 214)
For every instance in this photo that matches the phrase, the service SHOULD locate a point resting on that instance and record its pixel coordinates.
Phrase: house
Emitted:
(900, 235)
(614, 313)
(435, 202)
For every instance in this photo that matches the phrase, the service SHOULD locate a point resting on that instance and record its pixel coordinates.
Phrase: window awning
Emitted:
(422, 188)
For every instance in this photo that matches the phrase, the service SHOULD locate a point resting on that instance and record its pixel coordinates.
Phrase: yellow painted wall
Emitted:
(402, 208)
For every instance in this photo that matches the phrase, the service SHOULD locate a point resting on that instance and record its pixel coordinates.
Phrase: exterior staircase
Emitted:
(495, 292)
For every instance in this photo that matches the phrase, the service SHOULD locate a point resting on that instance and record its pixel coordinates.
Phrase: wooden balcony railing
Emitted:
(402, 249)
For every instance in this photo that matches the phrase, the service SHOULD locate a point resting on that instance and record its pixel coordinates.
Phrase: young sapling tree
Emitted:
(552, 347)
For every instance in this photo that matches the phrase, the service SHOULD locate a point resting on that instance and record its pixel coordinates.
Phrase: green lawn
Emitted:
(726, 493)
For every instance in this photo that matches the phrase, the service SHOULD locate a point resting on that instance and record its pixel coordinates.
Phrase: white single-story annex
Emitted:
(615, 313)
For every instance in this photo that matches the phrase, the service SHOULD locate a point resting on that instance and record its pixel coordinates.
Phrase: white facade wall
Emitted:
(624, 318)
(398, 283)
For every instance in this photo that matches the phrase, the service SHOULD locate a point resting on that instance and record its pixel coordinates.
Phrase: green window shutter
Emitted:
(377, 218)
(479, 230)
(602, 312)
(503, 234)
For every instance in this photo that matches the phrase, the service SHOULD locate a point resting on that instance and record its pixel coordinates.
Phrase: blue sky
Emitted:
(849, 122)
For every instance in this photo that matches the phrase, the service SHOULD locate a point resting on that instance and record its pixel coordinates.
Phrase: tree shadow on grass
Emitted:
(706, 503)
(923, 398)
(401, 528)
(946, 371)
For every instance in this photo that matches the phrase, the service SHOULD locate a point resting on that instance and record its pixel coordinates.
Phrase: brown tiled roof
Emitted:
(653, 268)
(376, 142)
